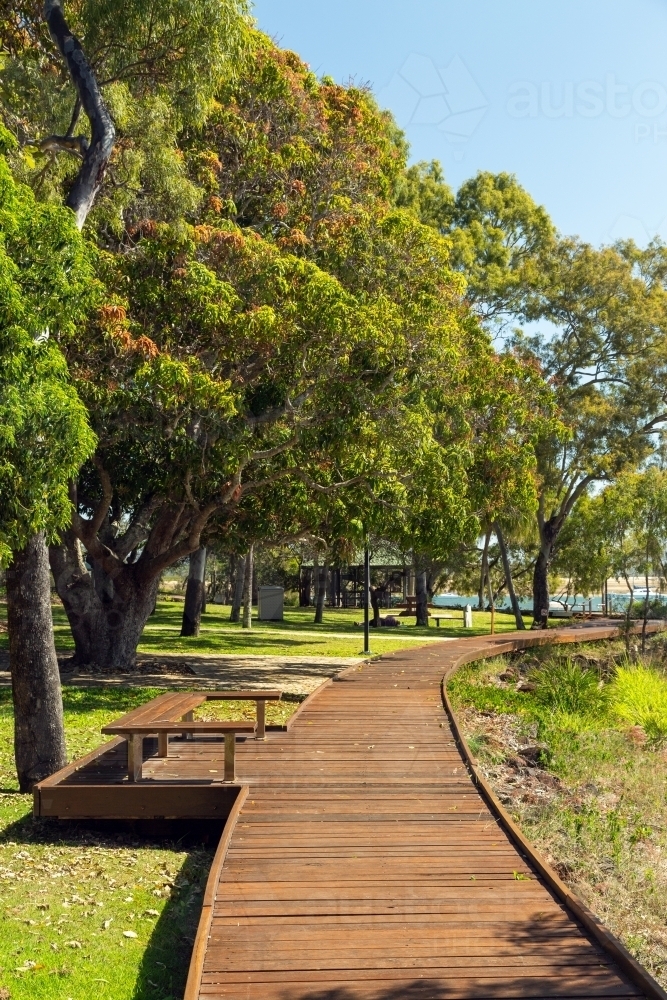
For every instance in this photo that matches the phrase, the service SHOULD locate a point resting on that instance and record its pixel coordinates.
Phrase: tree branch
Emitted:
(103, 135)
(153, 567)
(138, 530)
(100, 513)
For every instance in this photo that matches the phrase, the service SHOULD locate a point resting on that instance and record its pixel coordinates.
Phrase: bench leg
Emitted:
(135, 757)
(230, 756)
(188, 717)
(261, 720)
(163, 744)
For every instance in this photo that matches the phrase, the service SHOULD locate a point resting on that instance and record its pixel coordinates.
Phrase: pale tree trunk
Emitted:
(247, 590)
(322, 574)
(422, 597)
(518, 617)
(492, 601)
(549, 532)
(237, 600)
(39, 736)
(37, 698)
(645, 621)
(483, 571)
(194, 593)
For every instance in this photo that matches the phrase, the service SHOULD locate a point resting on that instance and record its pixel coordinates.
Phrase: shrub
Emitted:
(568, 689)
(639, 697)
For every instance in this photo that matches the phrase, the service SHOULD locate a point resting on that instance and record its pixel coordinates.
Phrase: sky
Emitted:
(568, 95)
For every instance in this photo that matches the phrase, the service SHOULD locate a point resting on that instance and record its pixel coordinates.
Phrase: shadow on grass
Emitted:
(163, 969)
(164, 966)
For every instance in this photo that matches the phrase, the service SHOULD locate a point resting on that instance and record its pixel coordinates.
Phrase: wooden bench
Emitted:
(451, 618)
(172, 713)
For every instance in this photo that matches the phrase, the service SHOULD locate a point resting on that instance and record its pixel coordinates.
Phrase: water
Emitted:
(617, 602)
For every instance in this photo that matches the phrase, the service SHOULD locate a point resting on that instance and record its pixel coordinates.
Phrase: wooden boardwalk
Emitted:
(364, 864)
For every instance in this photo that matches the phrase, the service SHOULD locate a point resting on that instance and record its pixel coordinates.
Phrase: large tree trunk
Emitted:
(106, 616)
(518, 617)
(39, 735)
(549, 532)
(247, 590)
(305, 586)
(422, 597)
(237, 600)
(194, 593)
(323, 572)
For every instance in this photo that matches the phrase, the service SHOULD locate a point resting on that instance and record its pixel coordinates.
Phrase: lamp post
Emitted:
(367, 588)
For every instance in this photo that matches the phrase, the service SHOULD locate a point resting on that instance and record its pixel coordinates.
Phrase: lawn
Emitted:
(297, 635)
(580, 760)
(84, 914)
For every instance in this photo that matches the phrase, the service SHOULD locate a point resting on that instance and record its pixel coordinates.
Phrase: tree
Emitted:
(32, 46)
(609, 313)
(500, 238)
(46, 287)
(194, 592)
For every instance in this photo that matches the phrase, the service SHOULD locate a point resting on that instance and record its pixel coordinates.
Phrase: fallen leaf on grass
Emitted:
(152, 913)
(72, 944)
(130, 934)
(107, 924)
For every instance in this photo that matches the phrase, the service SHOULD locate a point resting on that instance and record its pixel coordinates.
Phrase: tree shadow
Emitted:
(163, 969)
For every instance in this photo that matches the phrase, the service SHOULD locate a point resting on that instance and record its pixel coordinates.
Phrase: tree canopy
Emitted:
(47, 287)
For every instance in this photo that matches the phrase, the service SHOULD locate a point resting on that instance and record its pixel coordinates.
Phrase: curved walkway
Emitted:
(365, 862)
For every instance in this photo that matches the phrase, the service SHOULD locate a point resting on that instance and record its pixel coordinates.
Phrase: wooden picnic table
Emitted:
(173, 714)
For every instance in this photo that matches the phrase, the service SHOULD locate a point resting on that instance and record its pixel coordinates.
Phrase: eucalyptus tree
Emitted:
(607, 319)
(46, 289)
(48, 82)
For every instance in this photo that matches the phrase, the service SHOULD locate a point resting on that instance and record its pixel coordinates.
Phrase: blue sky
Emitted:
(569, 96)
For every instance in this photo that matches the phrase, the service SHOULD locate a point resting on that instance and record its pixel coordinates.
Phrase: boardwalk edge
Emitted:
(204, 927)
(572, 902)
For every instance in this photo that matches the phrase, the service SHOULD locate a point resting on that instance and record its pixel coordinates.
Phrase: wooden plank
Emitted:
(139, 801)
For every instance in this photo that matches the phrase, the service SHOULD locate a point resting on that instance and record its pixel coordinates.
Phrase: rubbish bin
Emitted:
(270, 604)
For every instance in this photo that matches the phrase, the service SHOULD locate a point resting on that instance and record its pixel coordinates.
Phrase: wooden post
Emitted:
(135, 757)
(188, 717)
(261, 719)
(163, 744)
(230, 758)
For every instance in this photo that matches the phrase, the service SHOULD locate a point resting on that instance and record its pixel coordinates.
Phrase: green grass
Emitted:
(67, 896)
(297, 635)
(601, 722)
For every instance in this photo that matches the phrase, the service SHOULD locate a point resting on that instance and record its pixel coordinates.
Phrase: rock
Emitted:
(532, 753)
(509, 675)
(526, 686)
